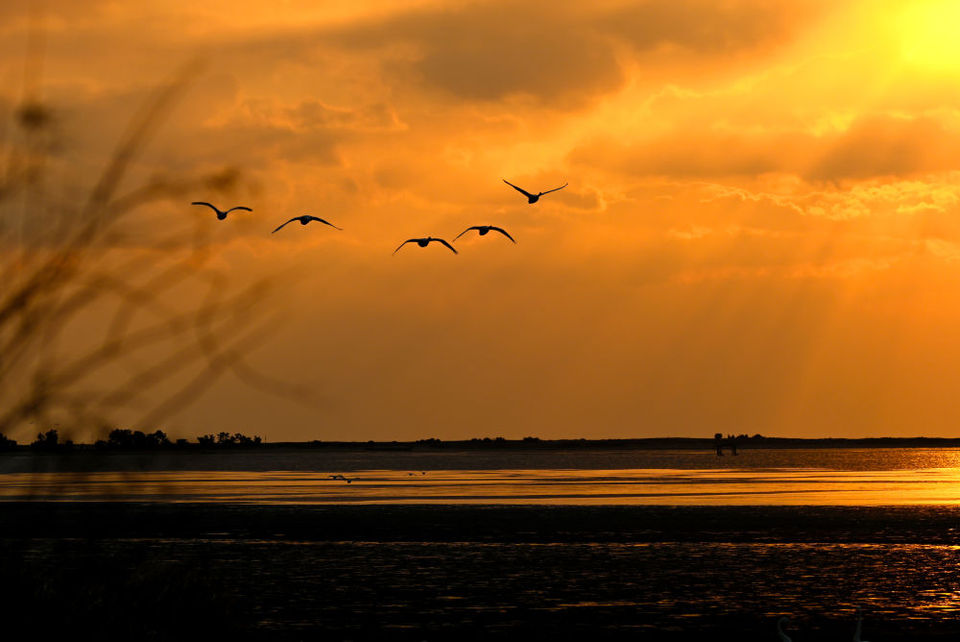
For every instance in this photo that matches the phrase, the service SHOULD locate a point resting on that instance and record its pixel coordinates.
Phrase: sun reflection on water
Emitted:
(729, 486)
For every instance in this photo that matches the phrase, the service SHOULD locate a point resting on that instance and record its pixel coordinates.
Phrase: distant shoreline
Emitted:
(429, 445)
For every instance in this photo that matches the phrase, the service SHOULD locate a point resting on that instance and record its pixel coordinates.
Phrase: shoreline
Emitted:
(527, 444)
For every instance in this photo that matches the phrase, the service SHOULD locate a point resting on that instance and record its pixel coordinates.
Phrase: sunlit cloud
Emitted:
(761, 207)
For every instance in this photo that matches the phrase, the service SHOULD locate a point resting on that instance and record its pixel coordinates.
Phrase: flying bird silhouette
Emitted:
(341, 477)
(306, 218)
(220, 213)
(483, 229)
(424, 242)
(533, 198)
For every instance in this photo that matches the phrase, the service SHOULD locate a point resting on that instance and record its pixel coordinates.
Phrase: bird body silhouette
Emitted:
(533, 198)
(221, 214)
(483, 229)
(424, 242)
(306, 218)
(341, 478)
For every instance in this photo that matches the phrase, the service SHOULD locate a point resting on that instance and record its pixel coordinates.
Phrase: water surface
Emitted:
(861, 477)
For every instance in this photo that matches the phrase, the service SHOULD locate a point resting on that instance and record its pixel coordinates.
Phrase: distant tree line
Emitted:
(226, 440)
(126, 439)
(7, 444)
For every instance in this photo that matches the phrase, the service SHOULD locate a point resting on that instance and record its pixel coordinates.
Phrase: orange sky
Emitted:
(760, 232)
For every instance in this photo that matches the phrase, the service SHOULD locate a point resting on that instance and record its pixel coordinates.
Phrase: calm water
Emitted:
(297, 587)
(775, 477)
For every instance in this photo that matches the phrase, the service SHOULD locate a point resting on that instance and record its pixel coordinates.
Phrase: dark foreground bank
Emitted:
(485, 523)
(165, 572)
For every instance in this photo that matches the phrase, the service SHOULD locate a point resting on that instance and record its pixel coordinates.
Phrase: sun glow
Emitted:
(929, 35)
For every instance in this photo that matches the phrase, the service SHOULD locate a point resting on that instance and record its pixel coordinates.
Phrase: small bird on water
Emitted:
(424, 242)
(483, 229)
(221, 214)
(533, 198)
(306, 218)
(783, 636)
(859, 629)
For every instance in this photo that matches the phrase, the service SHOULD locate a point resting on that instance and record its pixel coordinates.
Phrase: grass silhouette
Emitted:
(66, 262)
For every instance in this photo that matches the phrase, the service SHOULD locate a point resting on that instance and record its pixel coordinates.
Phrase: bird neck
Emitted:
(783, 636)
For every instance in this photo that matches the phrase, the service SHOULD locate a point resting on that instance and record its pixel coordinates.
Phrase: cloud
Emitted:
(488, 51)
(874, 146)
(314, 114)
(708, 28)
(562, 52)
(885, 145)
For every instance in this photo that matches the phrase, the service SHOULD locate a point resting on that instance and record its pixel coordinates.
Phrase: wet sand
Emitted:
(492, 523)
(176, 571)
(264, 546)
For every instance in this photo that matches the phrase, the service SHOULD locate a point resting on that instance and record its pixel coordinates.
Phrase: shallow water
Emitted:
(788, 477)
(652, 545)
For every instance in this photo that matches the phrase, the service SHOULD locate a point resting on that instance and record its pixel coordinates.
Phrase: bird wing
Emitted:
(238, 207)
(447, 244)
(213, 207)
(405, 242)
(522, 191)
(475, 227)
(554, 189)
(295, 218)
(504, 232)
(317, 218)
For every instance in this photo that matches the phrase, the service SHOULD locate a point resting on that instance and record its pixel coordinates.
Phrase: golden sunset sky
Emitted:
(760, 232)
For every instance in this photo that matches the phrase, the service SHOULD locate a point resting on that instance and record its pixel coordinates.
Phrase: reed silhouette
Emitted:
(106, 261)
(111, 315)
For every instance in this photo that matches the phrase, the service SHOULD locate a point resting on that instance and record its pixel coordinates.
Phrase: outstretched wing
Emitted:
(475, 227)
(554, 189)
(447, 244)
(213, 207)
(295, 218)
(502, 231)
(405, 242)
(318, 219)
(238, 207)
(522, 191)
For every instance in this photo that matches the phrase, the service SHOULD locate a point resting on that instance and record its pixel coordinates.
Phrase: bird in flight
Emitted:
(533, 198)
(220, 213)
(425, 242)
(341, 478)
(306, 218)
(483, 229)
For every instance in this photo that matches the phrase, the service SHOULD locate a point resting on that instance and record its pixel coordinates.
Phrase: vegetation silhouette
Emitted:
(109, 310)
(68, 263)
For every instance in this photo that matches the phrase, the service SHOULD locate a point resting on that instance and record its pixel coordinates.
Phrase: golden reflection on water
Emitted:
(581, 487)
